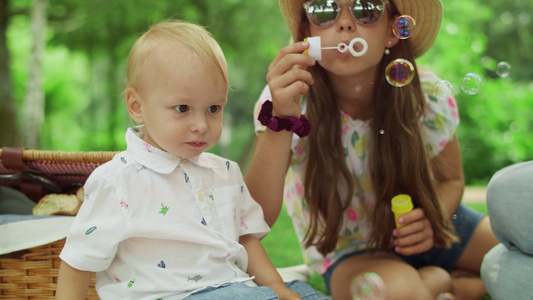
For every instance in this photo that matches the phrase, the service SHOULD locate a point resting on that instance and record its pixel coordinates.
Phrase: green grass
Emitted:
(283, 248)
(481, 207)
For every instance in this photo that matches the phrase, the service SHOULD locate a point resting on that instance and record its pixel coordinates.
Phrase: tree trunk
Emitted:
(34, 100)
(8, 119)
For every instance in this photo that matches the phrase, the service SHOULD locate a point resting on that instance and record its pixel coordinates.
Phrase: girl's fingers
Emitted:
(295, 48)
(412, 216)
(414, 237)
(415, 243)
(289, 57)
(290, 63)
(415, 249)
(411, 228)
(289, 79)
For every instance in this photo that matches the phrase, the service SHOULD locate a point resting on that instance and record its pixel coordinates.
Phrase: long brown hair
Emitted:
(398, 161)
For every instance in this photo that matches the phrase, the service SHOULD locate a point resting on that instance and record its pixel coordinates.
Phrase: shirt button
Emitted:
(184, 161)
(201, 196)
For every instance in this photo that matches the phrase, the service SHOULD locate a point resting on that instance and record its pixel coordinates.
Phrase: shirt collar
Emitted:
(156, 159)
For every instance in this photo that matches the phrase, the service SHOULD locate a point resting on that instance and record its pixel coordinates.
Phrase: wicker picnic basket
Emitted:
(32, 273)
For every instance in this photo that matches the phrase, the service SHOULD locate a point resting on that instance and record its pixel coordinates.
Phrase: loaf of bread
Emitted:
(59, 204)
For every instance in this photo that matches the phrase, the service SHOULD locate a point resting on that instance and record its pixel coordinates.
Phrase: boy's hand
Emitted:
(288, 79)
(416, 236)
(283, 292)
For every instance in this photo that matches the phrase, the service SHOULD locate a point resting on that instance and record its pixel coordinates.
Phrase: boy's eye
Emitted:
(182, 108)
(213, 108)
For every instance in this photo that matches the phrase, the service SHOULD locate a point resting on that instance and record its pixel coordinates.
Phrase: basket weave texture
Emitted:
(32, 273)
(63, 168)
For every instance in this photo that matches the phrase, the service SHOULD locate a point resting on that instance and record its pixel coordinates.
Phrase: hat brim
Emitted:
(426, 13)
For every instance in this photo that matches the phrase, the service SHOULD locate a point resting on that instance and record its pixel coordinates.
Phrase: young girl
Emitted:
(369, 141)
(163, 219)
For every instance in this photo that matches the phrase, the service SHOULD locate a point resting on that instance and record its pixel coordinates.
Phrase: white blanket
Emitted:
(23, 232)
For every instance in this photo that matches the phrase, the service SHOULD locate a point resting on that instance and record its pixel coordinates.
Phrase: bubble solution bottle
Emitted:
(400, 205)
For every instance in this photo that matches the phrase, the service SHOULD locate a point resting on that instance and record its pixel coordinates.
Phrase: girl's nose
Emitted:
(346, 21)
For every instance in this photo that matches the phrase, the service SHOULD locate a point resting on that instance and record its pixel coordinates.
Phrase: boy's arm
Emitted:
(72, 283)
(260, 266)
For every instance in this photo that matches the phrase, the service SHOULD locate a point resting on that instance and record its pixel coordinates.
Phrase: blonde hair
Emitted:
(192, 36)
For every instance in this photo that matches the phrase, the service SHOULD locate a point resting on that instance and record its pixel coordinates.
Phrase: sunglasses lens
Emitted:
(322, 12)
(368, 11)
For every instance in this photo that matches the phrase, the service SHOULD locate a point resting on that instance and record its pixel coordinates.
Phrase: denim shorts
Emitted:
(241, 291)
(465, 221)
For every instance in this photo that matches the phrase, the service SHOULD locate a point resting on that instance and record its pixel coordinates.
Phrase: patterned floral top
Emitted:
(438, 127)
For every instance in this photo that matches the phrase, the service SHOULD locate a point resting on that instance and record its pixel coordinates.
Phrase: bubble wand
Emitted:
(315, 48)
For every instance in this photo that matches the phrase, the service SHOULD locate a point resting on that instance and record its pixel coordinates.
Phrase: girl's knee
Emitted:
(436, 280)
(405, 283)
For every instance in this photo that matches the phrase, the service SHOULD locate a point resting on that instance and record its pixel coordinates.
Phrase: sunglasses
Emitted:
(324, 13)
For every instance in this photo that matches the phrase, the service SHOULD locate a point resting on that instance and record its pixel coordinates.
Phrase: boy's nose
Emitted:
(199, 124)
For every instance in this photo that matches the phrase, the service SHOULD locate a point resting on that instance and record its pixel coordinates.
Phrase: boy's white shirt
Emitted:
(152, 221)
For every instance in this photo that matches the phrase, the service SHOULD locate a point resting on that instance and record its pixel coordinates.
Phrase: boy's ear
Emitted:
(133, 104)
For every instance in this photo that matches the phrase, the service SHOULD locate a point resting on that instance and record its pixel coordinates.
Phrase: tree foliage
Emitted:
(88, 44)
(496, 127)
(7, 103)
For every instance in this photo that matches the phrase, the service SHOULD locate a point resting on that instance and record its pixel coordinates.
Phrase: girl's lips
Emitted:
(345, 49)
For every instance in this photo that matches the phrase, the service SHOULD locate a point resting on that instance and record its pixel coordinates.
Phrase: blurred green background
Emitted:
(63, 66)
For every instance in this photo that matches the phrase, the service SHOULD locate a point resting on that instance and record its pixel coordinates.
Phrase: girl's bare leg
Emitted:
(401, 280)
(466, 280)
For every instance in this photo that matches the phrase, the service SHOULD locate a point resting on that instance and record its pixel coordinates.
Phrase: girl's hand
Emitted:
(288, 79)
(416, 236)
(284, 293)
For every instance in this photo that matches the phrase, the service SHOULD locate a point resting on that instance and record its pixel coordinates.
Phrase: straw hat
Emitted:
(427, 14)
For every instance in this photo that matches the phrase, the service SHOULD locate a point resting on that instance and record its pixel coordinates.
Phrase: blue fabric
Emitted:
(465, 221)
(507, 273)
(510, 206)
(507, 269)
(240, 291)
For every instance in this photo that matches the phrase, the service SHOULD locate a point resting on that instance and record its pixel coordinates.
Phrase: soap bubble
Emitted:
(442, 90)
(403, 26)
(471, 83)
(367, 286)
(488, 63)
(503, 69)
(381, 131)
(446, 296)
(399, 72)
